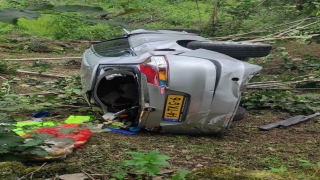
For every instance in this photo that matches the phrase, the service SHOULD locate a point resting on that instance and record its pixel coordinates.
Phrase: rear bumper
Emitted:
(213, 103)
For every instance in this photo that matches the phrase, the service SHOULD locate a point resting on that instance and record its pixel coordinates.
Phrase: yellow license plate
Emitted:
(173, 108)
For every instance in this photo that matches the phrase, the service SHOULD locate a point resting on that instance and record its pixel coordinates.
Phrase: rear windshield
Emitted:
(113, 48)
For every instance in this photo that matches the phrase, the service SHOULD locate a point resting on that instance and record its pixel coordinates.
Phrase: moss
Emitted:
(11, 170)
(224, 173)
(50, 170)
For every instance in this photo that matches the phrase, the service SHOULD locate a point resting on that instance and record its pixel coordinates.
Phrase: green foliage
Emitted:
(180, 174)
(13, 145)
(5, 68)
(41, 66)
(277, 170)
(148, 164)
(69, 90)
(11, 15)
(61, 27)
(281, 100)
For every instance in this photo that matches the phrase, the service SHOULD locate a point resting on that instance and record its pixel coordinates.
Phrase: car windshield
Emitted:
(113, 48)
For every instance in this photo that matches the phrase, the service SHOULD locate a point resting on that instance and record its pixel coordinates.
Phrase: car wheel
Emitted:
(239, 50)
(240, 114)
(188, 30)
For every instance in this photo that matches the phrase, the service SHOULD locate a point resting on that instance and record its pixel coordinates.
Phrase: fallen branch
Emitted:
(39, 93)
(23, 177)
(300, 89)
(260, 30)
(43, 74)
(268, 84)
(290, 30)
(69, 106)
(263, 82)
(34, 59)
(279, 38)
(282, 32)
(87, 175)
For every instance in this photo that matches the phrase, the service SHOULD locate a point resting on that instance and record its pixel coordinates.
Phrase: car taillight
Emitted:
(156, 70)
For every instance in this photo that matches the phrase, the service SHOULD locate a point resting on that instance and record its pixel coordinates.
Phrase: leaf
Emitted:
(11, 16)
(11, 139)
(33, 142)
(153, 153)
(109, 22)
(136, 154)
(129, 163)
(39, 7)
(84, 109)
(164, 157)
(128, 11)
(152, 170)
(37, 150)
(79, 8)
(160, 162)
(119, 175)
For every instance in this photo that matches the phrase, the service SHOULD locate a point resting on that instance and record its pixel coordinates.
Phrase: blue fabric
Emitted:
(41, 114)
(122, 131)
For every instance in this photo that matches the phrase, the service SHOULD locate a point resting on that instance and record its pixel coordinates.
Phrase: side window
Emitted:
(113, 48)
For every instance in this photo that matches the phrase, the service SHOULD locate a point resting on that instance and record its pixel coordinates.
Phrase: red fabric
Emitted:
(80, 136)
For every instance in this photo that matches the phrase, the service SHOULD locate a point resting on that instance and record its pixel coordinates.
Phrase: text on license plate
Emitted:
(173, 108)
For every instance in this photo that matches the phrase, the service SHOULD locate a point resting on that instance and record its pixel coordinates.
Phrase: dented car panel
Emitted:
(165, 85)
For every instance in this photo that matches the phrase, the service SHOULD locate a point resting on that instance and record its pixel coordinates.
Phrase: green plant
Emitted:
(147, 164)
(278, 170)
(307, 164)
(282, 100)
(41, 66)
(13, 145)
(5, 68)
(180, 174)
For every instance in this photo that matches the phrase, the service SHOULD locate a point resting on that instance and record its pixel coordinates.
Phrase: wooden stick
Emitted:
(260, 30)
(263, 82)
(87, 175)
(279, 38)
(39, 93)
(285, 32)
(43, 74)
(302, 89)
(282, 32)
(32, 172)
(282, 84)
(34, 59)
(69, 106)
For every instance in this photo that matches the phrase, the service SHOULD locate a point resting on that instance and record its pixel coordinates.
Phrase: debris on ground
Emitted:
(63, 137)
(77, 119)
(288, 122)
(37, 116)
(77, 176)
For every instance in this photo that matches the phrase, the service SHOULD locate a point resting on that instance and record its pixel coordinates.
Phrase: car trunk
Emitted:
(117, 92)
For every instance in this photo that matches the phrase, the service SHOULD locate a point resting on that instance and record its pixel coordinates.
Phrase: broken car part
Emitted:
(172, 87)
(288, 122)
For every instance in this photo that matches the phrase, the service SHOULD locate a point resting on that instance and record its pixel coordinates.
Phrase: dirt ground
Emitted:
(243, 146)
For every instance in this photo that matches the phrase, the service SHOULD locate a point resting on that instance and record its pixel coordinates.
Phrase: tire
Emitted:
(240, 114)
(188, 30)
(238, 50)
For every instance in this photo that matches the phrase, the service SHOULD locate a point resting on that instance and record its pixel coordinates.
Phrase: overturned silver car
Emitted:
(169, 81)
